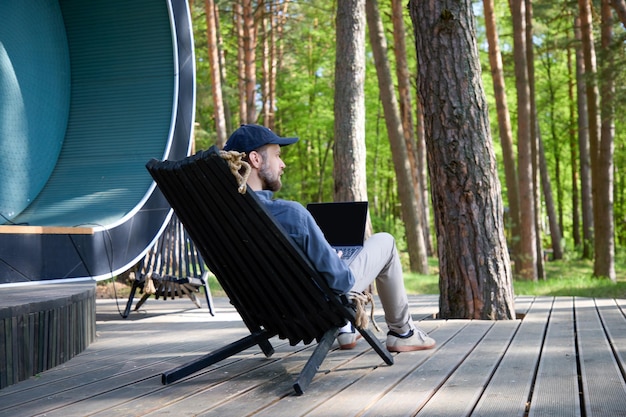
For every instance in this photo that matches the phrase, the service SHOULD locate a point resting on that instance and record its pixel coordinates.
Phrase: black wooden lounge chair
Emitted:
(266, 276)
(171, 268)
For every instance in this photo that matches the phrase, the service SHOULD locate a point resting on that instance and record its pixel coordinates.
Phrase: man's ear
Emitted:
(255, 159)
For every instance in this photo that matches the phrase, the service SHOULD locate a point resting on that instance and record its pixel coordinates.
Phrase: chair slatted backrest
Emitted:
(266, 276)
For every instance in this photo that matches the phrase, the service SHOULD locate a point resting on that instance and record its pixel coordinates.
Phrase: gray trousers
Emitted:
(379, 261)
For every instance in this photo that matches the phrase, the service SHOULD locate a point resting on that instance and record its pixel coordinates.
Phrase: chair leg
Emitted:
(377, 346)
(264, 344)
(314, 362)
(214, 357)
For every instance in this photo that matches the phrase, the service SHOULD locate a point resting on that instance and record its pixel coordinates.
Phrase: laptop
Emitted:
(343, 225)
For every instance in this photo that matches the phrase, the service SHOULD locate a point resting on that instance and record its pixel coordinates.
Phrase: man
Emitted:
(378, 260)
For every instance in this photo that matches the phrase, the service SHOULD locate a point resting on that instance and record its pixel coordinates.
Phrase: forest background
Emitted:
(295, 49)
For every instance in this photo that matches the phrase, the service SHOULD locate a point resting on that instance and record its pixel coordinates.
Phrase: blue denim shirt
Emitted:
(300, 225)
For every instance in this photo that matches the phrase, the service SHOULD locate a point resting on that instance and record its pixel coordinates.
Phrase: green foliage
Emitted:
(563, 278)
(423, 284)
(570, 277)
(305, 107)
(574, 278)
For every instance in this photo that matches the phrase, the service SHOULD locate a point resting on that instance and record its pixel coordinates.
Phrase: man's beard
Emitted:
(270, 182)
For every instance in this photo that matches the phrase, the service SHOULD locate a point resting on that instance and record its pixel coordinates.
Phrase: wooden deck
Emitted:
(567, 357)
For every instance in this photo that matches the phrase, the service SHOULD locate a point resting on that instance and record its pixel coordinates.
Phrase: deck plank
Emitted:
(614, 322)
(94, 375)
(556, 388)
(455, 338)
(339, 372)
(461, 391)
(603, 385)
(508, 391)
(150, 396)
(366, 387)
(479, 368)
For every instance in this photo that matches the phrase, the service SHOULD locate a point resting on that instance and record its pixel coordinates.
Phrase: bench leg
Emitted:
(315, 361)
(131, 296)
(142, 300)
(207, 292)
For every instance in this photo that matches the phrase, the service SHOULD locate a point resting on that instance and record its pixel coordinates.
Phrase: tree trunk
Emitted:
(504, 124)
(241, 60)
(604, 260)
(281, 19)
(216, 79)
(249, 47)
(592, 96)
(586, 198)
(556, 154)
(555, 230)
(266, 33)
(620, 8)
(349, 148)
(414, 138)
(272, 34)
(222, 61)
(422, 163)
(411, 213)
(535, 136)
(526, 258)
(474, 264)
(554, 135)
(573, 151)
(274, 39)
(278, 18)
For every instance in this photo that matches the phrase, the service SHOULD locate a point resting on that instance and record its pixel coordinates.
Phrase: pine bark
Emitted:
(555, 230)
(526, 258)
(241, 61)
(586, 198)
(266, 64)
(422, 159)
(349, 147)
(410, 208)
(475, 276)
(411, 135)
(404, 95)
(535, 137)
(249, 54)
(604, 260)
(222, 63)
(620, 9)
(216, 79)
(574, 175)
(504, 124)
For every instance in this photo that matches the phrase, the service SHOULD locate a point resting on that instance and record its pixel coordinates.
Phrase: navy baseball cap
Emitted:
(247, 138)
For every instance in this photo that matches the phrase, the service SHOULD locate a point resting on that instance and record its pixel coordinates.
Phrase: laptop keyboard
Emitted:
(349, 252)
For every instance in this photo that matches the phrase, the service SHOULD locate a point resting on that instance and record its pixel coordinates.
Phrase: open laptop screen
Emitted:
(343, 224)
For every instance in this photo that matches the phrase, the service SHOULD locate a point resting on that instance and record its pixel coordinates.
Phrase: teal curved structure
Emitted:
(89, 91)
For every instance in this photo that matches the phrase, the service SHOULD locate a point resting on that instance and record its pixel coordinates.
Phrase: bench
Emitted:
(171, 268)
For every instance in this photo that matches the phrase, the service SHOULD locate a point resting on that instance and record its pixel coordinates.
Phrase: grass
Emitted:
(563, 278)
(571, 277)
